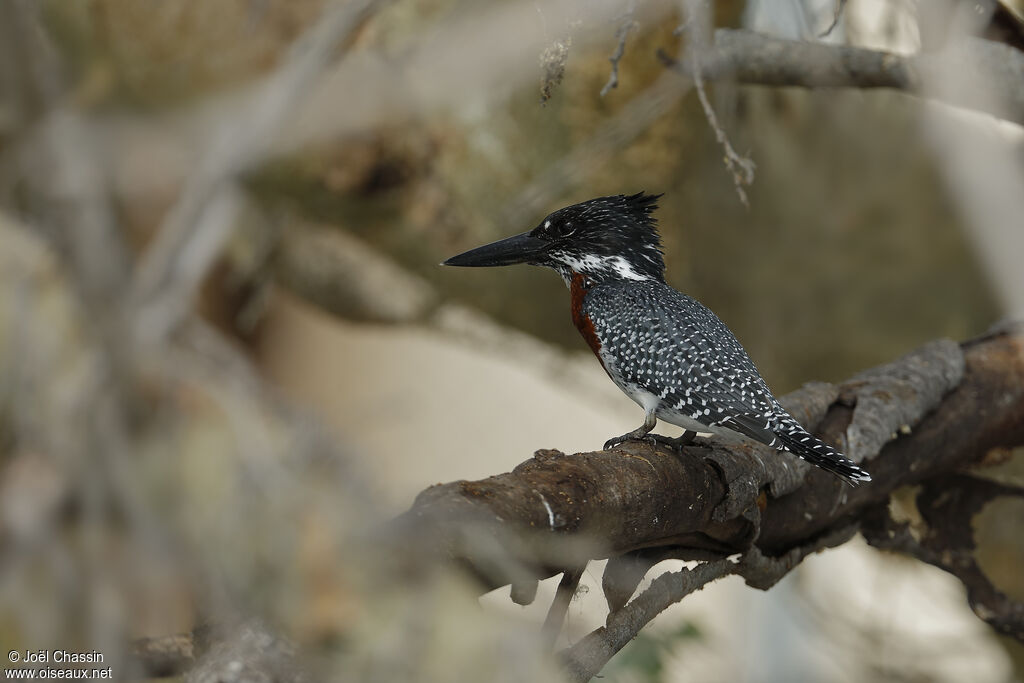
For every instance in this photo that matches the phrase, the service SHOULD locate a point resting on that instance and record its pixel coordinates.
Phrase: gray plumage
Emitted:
(664, 349)
(671, 354)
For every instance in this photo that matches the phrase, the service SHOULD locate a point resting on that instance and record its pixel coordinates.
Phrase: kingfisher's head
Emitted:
(605, 238)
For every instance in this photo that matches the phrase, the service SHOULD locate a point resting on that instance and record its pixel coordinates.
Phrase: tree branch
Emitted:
(937, 410)
(345, 276)
(840, 5)
(948, 505)
(750, 58)
(585, 659)
(59, 162)
(628, 23)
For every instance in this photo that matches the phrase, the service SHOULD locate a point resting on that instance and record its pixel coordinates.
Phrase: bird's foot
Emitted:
(674, 443)
(635, 435)
(618, 441)
(677, 443)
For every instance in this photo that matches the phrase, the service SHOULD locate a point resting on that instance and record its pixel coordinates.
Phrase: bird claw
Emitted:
(625, 438)
(675, 444)
(670, 442)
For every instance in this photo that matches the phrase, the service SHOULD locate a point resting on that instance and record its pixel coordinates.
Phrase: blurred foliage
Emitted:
(645, 658)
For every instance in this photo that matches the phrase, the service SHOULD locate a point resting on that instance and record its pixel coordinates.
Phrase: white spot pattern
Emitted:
(671, 354)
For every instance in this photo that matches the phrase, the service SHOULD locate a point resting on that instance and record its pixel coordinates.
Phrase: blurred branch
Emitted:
(343, 275)
(56, 404)
(936, 410)
(840, 6)
(69, 194)
(621, 33)
(567, 586)
(195, 228)
(982, 171)
(585, 659)
(948, 505)
(754, 59)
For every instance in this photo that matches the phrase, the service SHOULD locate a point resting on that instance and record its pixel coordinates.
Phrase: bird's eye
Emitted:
(563, 229)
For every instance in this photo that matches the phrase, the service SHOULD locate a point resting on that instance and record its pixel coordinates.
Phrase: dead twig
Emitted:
(585, 659)
(621, 33)
(835, 19)
(560, 605)
(947, 506)
(741, 168)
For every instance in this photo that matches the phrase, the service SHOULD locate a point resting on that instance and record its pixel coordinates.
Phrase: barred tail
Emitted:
(819, 453)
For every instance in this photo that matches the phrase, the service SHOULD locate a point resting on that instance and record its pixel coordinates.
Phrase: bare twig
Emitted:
(740, 168)
(835, 19)
(628, 24)
(763, 571)
(585, 659)
(948, 506)
(567, 586)
(588, 657)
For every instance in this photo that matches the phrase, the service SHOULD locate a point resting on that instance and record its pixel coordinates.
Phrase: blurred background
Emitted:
(227, 352)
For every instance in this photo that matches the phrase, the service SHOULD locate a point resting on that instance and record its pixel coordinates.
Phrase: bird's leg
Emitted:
(639, 433)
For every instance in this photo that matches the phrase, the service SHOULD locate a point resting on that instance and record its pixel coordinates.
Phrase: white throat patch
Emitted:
(593, 263)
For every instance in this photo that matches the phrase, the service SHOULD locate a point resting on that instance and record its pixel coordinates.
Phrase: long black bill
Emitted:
(521, 248)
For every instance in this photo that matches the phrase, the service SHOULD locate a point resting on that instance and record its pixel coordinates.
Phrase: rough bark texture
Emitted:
(935, 411)
(919, 420)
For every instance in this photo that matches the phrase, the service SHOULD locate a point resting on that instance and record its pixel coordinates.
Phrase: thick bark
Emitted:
(938, 410)
(919, 420)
